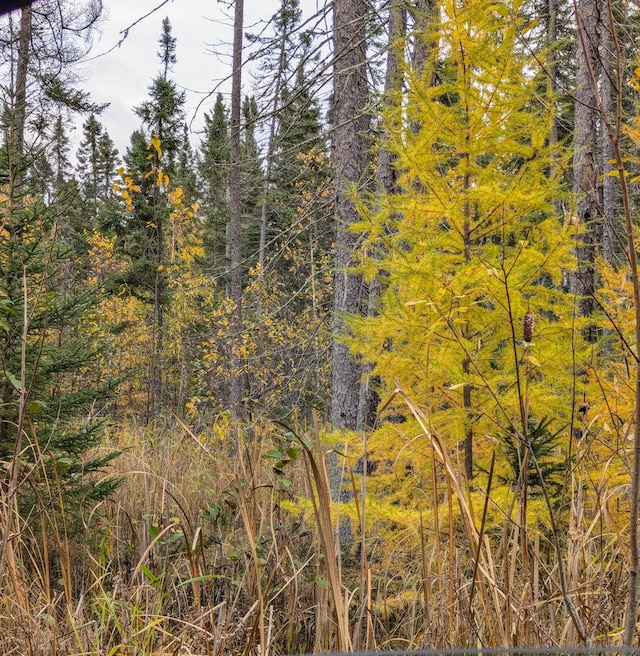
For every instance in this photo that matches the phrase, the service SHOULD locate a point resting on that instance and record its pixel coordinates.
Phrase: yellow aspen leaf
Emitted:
(155, 144)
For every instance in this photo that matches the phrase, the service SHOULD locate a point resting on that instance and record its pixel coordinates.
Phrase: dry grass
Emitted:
(200, 554)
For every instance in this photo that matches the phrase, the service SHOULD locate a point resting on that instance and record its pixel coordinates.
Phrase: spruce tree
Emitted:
(97, 166)
(51, 401)
(252, 182)
(213, 169)
(152, 160)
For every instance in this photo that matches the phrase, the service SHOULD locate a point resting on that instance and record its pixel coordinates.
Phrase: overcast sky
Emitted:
(203, 29)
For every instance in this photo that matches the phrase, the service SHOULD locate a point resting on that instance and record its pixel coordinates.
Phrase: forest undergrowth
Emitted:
(425, 304)
(191, 555)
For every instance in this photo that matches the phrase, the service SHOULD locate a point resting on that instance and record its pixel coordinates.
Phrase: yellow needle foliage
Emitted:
(468, 245)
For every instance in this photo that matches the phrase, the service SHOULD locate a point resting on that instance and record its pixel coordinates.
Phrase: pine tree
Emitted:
(163, 113)
(88, 164)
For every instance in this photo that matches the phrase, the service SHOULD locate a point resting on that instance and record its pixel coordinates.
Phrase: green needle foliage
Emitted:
(51, 402)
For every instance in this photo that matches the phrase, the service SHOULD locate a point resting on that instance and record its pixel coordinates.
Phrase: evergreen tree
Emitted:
(163, 113)
(300, 225)
(152, 161)
(252, 182)
(98, 162)
(50, 401)
(88, 157)
(213, 169)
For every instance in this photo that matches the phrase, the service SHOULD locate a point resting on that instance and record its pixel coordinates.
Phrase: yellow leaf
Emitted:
(155, 144)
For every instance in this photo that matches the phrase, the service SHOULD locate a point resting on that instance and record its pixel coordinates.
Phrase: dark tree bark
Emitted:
(585, 151)
(613, 237)
(350, 159)
(423, 13)
(235, 211)
(19, 108)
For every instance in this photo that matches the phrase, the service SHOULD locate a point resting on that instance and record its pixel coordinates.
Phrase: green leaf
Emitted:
(293, 452)
(198, 579)
(13, 380)
(174, 538)
(150, 575)
(35, 407)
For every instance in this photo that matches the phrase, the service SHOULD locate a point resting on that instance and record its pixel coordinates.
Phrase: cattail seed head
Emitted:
(528, 327)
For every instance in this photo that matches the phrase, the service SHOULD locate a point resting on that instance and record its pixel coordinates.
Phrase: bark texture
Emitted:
(586, 169)
(350, 159)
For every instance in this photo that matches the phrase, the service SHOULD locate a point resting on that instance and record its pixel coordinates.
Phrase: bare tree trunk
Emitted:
(585, 153)
(613, 239)
(423, 13)
(159, 297)
(235, 218)
(350, 164)
(19, 108)
(385, 172)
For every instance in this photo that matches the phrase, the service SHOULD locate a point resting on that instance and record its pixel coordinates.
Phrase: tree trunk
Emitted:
(235, 216)
(585, 153)
(19, 109)
(350, 155)
(424, 14)
(613, 239)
